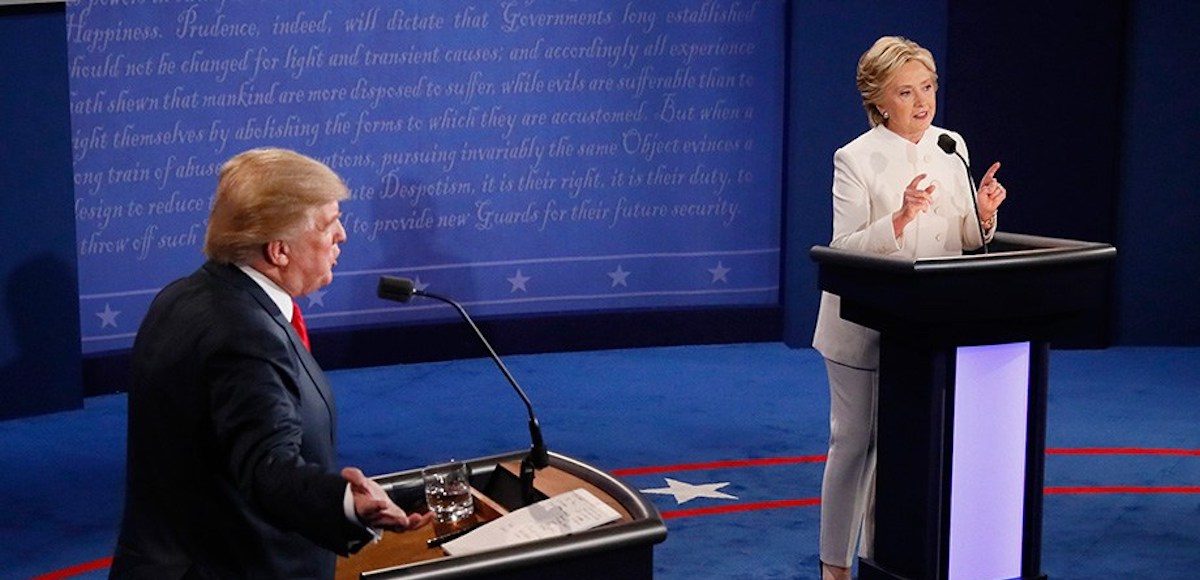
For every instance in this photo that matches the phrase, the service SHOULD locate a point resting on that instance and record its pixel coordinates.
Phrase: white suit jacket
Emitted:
(869, 177)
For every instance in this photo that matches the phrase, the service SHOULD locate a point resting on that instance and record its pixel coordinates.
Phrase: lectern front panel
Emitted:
(987, 478)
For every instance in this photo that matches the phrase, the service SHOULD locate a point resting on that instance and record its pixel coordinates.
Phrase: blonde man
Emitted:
(231, 468)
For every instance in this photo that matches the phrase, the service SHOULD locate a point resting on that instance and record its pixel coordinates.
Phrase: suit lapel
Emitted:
(314, 372)
(240, 280)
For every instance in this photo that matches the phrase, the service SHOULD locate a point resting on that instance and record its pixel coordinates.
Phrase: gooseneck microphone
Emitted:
(950, 146)
(401, 290)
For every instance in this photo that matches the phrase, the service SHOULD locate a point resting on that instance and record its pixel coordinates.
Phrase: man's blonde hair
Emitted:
(265, 195)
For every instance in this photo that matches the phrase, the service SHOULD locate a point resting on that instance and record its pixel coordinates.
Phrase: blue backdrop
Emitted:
(1158, 276)
(40, 368)
(522, 156)
(1088, 109)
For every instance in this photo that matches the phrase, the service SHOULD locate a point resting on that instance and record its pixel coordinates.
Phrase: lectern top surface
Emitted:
(1008, 251)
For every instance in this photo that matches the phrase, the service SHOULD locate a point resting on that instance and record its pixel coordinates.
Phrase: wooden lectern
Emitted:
(964, 349)
(622, 549)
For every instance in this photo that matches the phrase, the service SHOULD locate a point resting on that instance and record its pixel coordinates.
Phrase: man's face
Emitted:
(314, 251)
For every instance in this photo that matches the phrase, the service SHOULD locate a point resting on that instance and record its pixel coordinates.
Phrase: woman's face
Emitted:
(910, 101)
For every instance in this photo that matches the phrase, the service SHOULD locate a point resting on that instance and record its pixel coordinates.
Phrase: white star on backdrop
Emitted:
(108, 317)
(518, 281)
(618, 277)
(317, 297)
(419, 285)
(685, 492)
(719, 273)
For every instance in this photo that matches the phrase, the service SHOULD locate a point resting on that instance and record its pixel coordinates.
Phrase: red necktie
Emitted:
(298, 324)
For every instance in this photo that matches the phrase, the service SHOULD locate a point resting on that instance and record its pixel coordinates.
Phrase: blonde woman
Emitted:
(894, 193)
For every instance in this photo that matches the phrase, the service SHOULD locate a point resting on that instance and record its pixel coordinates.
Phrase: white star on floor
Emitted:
(719, 273)
(618, 277)
(316, 297)
(518, 282)
(108, 317)
(685, 492)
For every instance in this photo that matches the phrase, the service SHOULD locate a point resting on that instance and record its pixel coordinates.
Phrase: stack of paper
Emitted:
(561, 515)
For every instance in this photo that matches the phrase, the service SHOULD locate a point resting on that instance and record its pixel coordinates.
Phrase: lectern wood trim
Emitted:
(629, 540)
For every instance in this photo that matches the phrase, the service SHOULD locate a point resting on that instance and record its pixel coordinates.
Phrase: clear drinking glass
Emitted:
(448, 491)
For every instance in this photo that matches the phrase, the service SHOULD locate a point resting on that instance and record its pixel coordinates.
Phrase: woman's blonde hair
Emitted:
(879, 64)
(264, 195)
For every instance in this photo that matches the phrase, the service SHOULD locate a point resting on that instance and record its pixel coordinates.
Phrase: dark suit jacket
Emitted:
(231, 468)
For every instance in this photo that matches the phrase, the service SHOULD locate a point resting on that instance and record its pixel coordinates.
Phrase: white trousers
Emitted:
(848, 488)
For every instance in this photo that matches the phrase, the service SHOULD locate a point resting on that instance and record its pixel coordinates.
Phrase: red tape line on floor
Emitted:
(103, 563)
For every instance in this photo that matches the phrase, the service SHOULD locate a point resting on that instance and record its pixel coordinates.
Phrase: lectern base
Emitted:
(868, 569)
(634, 564)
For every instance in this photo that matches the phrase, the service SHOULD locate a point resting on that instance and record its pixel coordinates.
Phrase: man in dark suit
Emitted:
(231, 421)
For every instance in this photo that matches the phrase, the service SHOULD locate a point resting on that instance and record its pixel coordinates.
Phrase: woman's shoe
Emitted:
(830, 572)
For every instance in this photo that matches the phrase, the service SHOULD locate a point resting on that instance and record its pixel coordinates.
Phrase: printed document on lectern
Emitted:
(561, 515)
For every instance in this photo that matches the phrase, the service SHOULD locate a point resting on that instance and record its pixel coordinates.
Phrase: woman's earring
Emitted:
(884, 113)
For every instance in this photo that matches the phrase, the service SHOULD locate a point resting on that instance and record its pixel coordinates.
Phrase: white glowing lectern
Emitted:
(962, 395)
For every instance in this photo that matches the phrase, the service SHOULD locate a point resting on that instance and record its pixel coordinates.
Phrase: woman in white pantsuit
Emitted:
(894, 193)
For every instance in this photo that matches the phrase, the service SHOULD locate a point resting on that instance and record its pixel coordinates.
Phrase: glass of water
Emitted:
(448, 491)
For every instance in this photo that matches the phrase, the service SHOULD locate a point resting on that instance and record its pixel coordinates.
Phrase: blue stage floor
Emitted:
(746, 421)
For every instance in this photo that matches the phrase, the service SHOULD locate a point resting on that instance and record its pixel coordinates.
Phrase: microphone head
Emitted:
(947, 143)
(393, 288)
